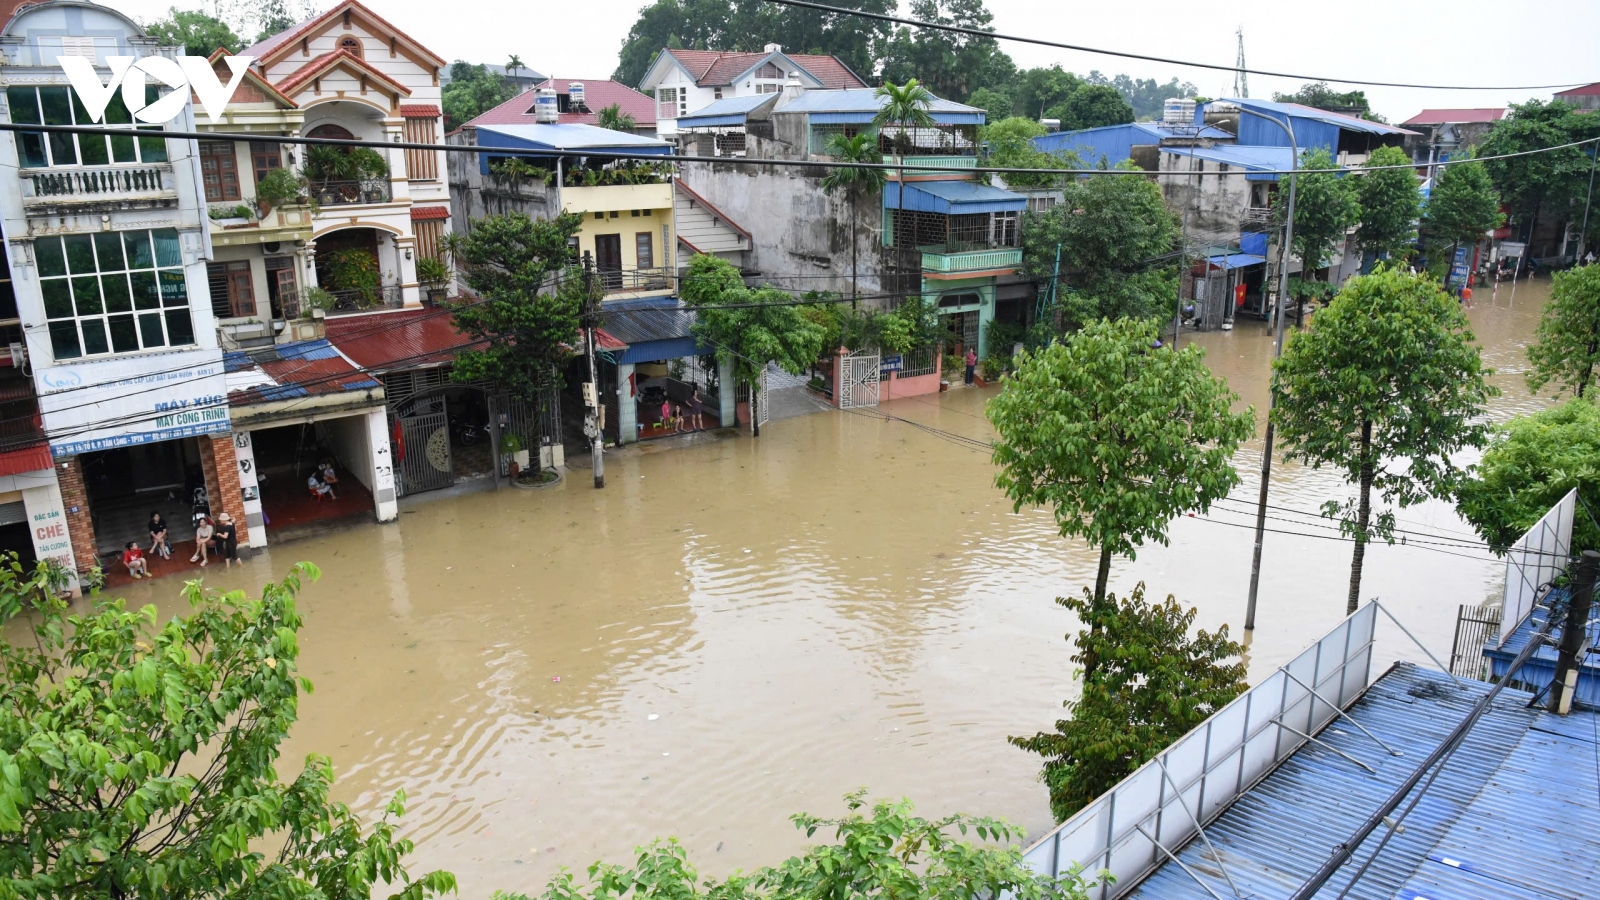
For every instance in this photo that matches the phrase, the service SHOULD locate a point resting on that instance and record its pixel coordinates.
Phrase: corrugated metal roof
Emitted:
(568, 136)
(1116, 139)
(865, 101)
(284, 371)
(1457, 116)
(1515, 812)
(953, 197)
(1249, 158)
(402, 339)
(646, 319)
(1237, 260)
(1301, 111)
(599, 93)
(727, 111)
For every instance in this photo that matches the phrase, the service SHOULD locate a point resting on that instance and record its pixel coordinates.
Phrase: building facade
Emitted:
(687, 81)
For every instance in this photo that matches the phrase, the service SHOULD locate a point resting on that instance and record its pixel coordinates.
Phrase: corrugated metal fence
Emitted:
(1540, 556)
(1201, 773)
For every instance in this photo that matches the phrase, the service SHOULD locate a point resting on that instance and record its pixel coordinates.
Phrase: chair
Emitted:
(316, 495)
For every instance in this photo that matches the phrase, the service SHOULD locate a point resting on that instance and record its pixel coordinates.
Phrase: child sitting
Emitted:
(133, 558)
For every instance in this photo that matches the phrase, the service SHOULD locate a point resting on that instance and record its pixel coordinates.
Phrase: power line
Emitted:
(1238, 67)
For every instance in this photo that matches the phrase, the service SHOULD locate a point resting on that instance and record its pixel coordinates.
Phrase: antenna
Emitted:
(1241, 82)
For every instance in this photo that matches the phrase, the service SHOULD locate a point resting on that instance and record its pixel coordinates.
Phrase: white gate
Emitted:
(858, 380)
(763, 408)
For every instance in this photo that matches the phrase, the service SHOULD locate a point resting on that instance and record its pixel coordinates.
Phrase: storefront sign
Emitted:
(120, 403)
(47, 524)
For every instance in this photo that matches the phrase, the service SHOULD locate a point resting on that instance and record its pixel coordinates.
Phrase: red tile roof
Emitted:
(598, 94)
(712, 68)
(327, 61)
(1585, 91)
(403, 339)
(425, 213)
(1456, 116)
(267, 49)
(419, 111)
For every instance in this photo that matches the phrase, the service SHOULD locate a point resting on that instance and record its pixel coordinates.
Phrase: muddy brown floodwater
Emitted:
(737, 630)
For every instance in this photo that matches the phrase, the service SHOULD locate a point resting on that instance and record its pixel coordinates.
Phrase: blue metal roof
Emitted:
(1312, 114)
(1254, 160)
(1115, 143)
(652, 327)
(953, 197)
(856, 105)
(1541, 667)
(727, 111)
(573, 137)
(1237, 260)
(1515, 813)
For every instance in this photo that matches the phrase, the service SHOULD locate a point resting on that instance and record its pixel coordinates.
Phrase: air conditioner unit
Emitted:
(19, 355)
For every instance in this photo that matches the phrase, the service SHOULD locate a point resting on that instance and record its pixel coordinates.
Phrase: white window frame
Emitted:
(89, 312)
(50, 143)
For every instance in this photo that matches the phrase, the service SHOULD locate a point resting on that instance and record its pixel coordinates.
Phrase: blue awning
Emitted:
(727, 111)
(953, 198)
(1237, 260)
(573, 139)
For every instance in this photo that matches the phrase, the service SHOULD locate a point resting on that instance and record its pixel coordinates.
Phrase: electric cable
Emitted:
(982, 33)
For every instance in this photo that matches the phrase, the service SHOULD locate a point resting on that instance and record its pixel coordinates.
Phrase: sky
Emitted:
(1462, 42)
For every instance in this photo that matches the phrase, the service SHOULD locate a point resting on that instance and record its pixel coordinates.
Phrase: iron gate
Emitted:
(1474, 627)
(423, 456)
(763, 408)
(859, 385)
(537, 425)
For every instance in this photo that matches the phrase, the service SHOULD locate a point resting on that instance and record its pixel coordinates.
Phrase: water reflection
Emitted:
(737, 630)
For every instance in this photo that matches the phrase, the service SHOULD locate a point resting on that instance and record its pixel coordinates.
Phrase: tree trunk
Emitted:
(1588, 367)
(1102, 575)
(1364, 517)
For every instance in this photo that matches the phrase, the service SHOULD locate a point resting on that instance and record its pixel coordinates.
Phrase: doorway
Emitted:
(608, 257)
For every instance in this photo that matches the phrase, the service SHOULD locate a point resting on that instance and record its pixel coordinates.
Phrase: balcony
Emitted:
(346, 302)
(127, 186)
(1256, 218)
(952, 259)
(351, 193)
(616, 282)
(932, 165)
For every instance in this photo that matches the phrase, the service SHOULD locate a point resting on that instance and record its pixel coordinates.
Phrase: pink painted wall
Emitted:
(895, 388)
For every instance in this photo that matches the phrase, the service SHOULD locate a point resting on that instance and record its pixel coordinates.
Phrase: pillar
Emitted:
(727, 397)
(80, 526)
(221, 467)
(384, 502)
(627, 406)
(249, 489)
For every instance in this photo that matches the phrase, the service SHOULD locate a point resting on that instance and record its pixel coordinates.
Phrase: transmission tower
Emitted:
(1241, 84)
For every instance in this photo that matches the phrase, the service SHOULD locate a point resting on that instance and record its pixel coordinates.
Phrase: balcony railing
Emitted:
(642, 280)
(100, 183)
(345, 302)
(952, 259)
(349, 193)
(956, 165)
(1256, 217)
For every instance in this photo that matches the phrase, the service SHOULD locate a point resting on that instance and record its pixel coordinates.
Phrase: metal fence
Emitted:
(1476, 626)
(922, 361)
(386, 297)
(1128, 830)
(1537, 558)
(343, 193)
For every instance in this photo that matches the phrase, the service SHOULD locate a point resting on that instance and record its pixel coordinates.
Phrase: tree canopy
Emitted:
(197, 33)
(1113, 233)
(1566, 347)
(1385, 385)
(1325, 207)
(1152, 684)
(1092, 106)
(472, 91)
(765, 327)
(952, 65)
(1390, 203)
(139, 759)
(1117, 437)
(1548, 183)
(1463, 205)
(1319, 96)
(1010, 145)
(528, 316)
(1531, 463)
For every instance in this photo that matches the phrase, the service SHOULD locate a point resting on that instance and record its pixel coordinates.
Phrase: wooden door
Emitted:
(608, 258)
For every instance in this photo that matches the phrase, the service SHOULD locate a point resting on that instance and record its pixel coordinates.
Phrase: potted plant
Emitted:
(434, 276)
(230, 216)
(511, 447)
(354, 272)
(317, 303)
(279, 187)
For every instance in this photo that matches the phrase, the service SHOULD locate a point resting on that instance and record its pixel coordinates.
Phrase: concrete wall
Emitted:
(801, 234)
(1215, 206)
(361, 444)
(474, 195)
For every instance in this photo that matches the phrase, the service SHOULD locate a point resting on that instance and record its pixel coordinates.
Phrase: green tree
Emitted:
(473, 90)
(1531, 463)
(950, 64)
(140, 760)
(1117, 437)
(1463, 206)
(903, 107)
(1009, 143)
(1386, 385)
(1034, 91)
(274, 16)
(1553, 182)
(1092, 106)
(889, 853)
(1319, 96)
(995, 104)
(1325, 207)
(1390, 204)
(1153, 684)
(1147, 96)
(614, 118)
(1109, 229)
(1567, 345)
(530, 297)
(753, 326)
(197, 33)
(514, 65)
(855, 183)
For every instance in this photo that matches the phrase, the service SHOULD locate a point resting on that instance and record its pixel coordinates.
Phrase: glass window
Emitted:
(59, 106)
(111, 293)
(264, 157)
(644, 247)
(219, 169)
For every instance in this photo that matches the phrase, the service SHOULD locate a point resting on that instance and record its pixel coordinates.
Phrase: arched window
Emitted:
(351, 44)
(330, 131)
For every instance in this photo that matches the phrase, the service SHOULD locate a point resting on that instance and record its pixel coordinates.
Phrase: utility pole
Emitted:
(1277, 351)
(1575, 634)
(591, 392)
(1583, 234)
(1241, 82)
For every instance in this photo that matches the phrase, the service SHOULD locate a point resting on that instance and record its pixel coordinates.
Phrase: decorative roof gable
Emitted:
(279, 47)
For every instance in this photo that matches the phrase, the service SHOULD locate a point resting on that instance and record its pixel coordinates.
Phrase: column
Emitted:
(221, 467)
(627, 406)
(47, 525)
(75, 500)
(249, 489)
(382, 462)
(727, 408)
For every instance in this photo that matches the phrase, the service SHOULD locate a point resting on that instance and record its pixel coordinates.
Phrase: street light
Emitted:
(1277, 351)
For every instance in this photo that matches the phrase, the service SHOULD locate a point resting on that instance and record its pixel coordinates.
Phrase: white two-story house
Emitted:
(687, 81)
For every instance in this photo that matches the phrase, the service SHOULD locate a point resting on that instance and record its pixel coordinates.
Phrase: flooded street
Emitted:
(738, 629)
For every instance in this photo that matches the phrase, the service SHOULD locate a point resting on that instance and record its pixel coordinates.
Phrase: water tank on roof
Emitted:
(575, 97)
(1178, 111)
(545, 110)
(774, 48)
(1051, 126)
